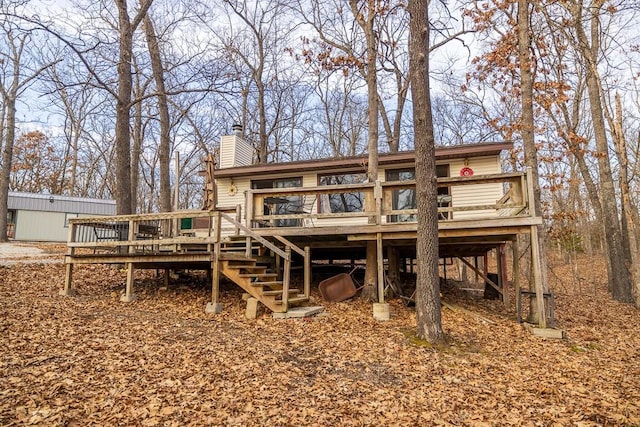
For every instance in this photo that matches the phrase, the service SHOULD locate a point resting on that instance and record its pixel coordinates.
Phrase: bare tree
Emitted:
(429, 324)
(18, 70)
(126, 28)
(164, 148)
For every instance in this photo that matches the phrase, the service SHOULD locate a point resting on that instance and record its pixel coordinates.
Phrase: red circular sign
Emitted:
(465, 171)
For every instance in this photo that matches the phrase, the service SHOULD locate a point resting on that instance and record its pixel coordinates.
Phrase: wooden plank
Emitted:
(380, 262)
(537, 277)
(481, 274)
(307, 271)
(215, 274)
(549, 333)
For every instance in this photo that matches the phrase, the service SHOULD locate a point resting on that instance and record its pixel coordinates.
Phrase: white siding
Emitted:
(480, 194)
(468, 195)
(234, 151)
(41, 226)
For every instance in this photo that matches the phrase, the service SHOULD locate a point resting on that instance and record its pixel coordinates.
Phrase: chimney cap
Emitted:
(236, 127)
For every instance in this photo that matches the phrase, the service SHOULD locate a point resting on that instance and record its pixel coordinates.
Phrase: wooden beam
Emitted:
(516, 272)
(478, 272)
(215, 274)
(537, 277)
(501, 259)
(307, 271)
(380, 263)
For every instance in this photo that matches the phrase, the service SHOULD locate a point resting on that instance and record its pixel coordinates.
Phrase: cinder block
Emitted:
(212, 308)
(381, 312)
(253, 308)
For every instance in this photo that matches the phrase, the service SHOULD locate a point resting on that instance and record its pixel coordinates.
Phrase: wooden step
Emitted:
(292, 300)
(258, 275)
(270, 284)
(279, 292)
(251, 269)
(235, 256)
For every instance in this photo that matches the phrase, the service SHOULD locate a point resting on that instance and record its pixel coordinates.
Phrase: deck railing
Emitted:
(154, 232)
(379, 202)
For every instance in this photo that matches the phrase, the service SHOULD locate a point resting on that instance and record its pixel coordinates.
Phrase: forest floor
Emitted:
(92, 360)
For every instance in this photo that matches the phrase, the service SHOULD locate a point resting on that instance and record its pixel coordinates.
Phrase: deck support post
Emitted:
(537, 277)
(307, 271)
(68, 279)
(444, 269)
(380, 309)
(393, 263)
(380, 263)
(128, 292)
(68, 275)
(501, 260)
(475, 263)
(516, 271)
(285, 279)
(214, 307)
(165, 278)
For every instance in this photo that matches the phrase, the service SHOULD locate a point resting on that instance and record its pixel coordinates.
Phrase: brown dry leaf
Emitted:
(162, 361)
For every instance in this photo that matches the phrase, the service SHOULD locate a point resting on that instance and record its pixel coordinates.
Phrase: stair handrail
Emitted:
(287, 242)
(262, 240)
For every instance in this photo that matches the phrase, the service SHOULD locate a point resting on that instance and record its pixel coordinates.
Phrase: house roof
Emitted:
(56, 203)
(442, 153)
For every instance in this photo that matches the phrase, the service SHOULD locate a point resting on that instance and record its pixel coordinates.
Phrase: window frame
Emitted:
(326, 205)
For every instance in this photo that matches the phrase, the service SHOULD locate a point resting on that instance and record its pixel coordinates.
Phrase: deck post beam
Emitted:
(307, 271)
(516, 273)
(502, 272)
(128, 291)
(68, 275)
(380, 262)
(285, 279)
(537, 277)
(68, 279)
(215, 307)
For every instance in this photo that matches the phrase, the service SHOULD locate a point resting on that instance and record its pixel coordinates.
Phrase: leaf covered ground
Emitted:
(92, 360)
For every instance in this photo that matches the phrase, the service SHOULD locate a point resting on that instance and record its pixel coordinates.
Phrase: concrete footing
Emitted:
(381, 312)
(128, 298)
(549, 333)
(67, 292)
(253, 308)
(213, 308)
(299, 312)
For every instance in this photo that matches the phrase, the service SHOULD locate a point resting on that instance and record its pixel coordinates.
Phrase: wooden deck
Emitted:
(219, 241)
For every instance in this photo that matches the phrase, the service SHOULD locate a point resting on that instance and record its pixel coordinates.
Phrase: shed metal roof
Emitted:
(55, 203)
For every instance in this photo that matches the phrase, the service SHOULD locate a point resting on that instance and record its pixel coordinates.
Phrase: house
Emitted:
(259, 220)
(45, 217)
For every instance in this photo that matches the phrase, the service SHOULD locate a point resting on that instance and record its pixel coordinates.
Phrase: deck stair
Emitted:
(256, 279)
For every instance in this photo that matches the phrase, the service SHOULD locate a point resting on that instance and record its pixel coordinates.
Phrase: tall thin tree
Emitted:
(429, 323)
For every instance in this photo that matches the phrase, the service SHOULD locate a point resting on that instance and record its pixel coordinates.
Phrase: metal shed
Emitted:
(45, 217)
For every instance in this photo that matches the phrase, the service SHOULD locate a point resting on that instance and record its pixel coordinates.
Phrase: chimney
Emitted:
(234, 150)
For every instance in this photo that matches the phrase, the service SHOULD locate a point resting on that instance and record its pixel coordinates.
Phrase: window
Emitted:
(406, 198)
(281, 205)
(343, 202)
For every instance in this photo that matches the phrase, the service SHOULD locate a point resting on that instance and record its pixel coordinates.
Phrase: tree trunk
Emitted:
(628, 208)
(366, 23)
(428, 316)
(124, 203)
(528, 140)
(163, 108)
(619, 275)
(7, 158)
